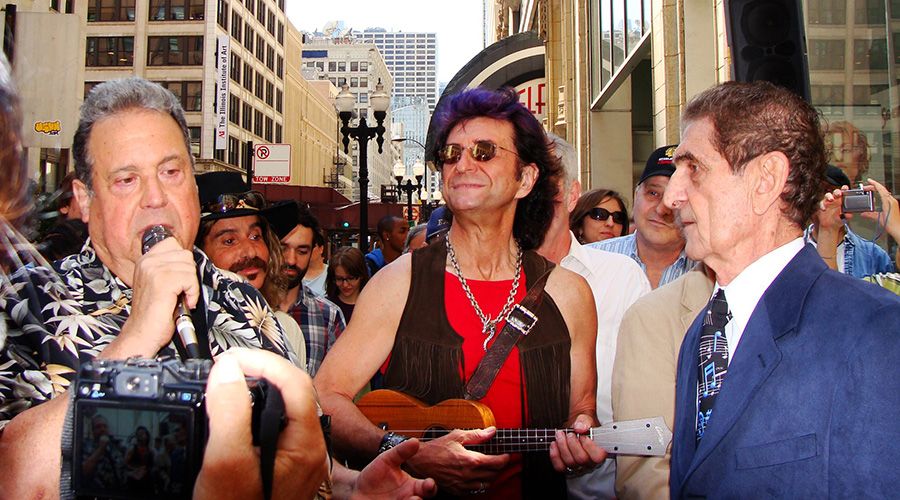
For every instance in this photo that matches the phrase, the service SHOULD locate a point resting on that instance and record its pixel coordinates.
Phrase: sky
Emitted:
(458, 24)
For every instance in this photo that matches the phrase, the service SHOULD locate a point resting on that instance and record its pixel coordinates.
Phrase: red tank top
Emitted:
(504, 398)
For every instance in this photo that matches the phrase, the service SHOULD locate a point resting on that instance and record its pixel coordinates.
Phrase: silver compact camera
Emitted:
(857, 200)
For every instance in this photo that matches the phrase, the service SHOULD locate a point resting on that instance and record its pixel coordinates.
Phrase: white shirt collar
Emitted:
(744, 292)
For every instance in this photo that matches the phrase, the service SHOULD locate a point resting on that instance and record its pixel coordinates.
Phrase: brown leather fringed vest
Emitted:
(427, 360)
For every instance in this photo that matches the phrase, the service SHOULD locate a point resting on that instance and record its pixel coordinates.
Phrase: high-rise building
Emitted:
(345, 60)
(412, 60)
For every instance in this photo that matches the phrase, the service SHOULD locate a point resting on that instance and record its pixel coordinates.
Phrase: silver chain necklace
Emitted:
(488, 325)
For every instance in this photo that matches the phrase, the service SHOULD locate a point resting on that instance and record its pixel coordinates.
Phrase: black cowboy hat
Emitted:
(224, 195)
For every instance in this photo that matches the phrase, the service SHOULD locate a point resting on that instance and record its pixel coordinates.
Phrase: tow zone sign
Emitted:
(272, 164)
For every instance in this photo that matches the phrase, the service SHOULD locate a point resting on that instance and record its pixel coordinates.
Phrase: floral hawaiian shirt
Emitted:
(52, 321)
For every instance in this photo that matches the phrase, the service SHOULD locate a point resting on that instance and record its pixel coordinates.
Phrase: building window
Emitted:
(88, 86)
(257, 122)
(364, 66)
(260, 49)
(194, 133)
(354, 66)
(279, 67)
(189, 94)
(235, 69)
(826, 54)
(109, 51)
(258, 90)
(251, 5)
(281, 5)
(219, 154)
(869, 11)
(278, 133)
(237, 25)
(279, 100)
(174, 50)
(248, 37)
(270, 57)
(248, 76)
(261, 14)
(234, 109)
(177, 10)
(870, 54)
(110, 10)
(269, 124)
(270, 92)
(234, 151)
(246, 116)
(280, 34)
(222, 14)
(827, 12)
(342, 66)
(332, 66)
(270, 23)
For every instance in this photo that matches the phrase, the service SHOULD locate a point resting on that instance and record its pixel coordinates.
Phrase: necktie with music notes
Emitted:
(712, 361)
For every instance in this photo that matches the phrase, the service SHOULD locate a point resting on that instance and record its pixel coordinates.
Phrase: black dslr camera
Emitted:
(140, 426)
(857, 200)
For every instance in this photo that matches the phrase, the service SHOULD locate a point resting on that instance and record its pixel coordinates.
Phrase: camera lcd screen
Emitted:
(125, 452)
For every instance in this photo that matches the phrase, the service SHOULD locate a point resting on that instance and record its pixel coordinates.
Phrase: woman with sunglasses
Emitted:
(600, 214)
(347, 275)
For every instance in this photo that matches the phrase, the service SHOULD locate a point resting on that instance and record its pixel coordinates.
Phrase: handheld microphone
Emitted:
(184, 325)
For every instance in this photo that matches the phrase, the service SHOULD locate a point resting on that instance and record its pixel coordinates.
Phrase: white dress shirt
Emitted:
(744, 292)
(616, 282)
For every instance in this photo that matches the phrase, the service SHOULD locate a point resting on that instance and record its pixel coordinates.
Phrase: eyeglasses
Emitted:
(251, 200)
(602, 214)
(481, 151)
(347, 279)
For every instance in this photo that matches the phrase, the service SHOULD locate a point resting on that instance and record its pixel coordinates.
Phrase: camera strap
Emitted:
(271, 421)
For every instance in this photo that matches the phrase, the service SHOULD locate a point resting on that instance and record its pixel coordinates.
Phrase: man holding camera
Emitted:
(840, 248)
(112, 301)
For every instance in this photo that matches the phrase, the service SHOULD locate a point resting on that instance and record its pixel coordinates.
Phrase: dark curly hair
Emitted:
(589, 200)
(751, 119)
(534, 211)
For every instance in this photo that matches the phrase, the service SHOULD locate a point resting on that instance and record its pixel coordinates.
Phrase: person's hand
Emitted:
(160, 277)
(829, 215)
(230, 462)
(573, 452)
(888, 216)
(384, 479)
(455, 469)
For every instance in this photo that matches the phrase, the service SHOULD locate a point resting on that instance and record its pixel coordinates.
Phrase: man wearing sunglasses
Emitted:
(435, 312)
(616, 282)
(657, 244)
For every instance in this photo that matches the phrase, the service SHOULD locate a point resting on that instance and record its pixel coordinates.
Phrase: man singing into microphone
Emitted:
(135, 171)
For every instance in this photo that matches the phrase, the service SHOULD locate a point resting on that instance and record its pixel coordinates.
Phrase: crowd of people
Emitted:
(729, 301)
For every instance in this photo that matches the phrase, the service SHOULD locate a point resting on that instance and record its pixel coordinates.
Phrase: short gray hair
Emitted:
(413, 232)
(117, 96)
(568, 157)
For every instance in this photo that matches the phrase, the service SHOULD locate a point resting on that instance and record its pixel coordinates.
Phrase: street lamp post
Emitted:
(362, 133)
(424, 201)
(408, 187)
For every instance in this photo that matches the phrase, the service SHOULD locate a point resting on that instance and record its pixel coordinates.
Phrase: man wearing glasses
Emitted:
(436, 311)
(657, 244)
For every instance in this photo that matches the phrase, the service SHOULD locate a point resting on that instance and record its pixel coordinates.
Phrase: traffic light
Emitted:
(345, 225)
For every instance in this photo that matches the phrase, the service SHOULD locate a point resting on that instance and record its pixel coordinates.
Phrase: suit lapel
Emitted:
(757, 354)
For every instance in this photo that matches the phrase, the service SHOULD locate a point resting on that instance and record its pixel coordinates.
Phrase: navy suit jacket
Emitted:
(810, 406)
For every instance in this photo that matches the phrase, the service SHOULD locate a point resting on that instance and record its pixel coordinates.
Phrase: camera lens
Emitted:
(133, 383)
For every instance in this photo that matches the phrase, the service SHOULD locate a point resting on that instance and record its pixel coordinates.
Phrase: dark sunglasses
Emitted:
(481, 151)
(602, 214)
(251, 200)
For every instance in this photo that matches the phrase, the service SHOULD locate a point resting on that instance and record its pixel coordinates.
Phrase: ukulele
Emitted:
(397, 412)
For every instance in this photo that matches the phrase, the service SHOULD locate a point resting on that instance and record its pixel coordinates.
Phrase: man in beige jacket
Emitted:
(643, 380)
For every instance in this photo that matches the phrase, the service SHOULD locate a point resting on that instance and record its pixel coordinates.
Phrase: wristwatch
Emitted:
(389, 441)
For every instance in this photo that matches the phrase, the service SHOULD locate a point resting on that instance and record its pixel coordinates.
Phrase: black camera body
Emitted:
(140, 426)
(857, 200)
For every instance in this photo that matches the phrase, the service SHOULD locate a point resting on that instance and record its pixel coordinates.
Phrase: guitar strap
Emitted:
(520, 320)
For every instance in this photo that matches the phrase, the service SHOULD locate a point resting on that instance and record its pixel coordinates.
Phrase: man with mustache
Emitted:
(657, 245)
(238, 234)
(320, 319)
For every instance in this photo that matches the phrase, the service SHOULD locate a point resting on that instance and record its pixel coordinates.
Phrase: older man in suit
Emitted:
(787, 385)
